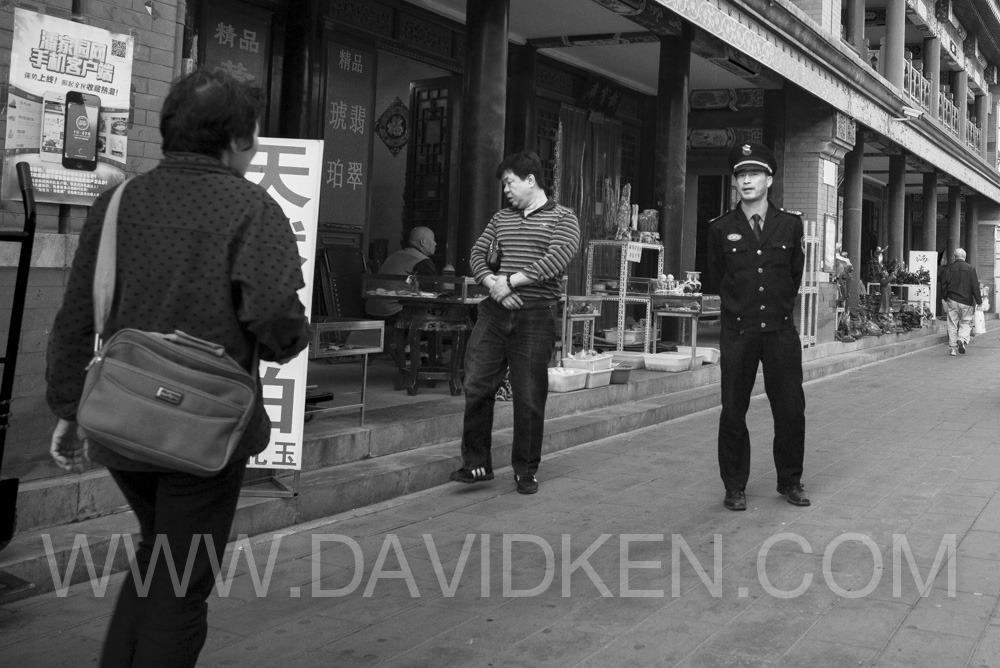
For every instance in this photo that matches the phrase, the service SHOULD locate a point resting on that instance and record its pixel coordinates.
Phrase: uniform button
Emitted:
(761, 307)
(759, 252)
(760, 289)
(738, 318)
(760, 271)
(761, 324)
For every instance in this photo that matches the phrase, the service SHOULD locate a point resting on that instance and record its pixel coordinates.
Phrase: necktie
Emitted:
(756, 225)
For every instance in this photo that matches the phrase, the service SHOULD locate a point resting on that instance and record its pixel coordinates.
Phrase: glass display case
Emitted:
(345, 338)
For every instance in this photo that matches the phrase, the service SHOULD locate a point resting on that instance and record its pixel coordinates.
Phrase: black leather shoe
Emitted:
(526, 484)
(478, 474)
(795, 494)
(735, 499)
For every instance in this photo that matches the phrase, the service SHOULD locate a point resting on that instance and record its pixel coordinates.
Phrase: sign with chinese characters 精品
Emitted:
(68, 110)
(348, 132)
(237, 41)
(290, 171)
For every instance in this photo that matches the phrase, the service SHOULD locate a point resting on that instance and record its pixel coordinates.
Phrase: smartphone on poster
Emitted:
(80, 135)
(53, 112)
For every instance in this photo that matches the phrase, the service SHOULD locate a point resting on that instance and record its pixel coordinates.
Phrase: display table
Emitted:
(690, 306)
(582, 309)
(347, 337)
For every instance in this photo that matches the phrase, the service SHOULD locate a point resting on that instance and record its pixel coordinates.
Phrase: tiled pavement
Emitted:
(902, 462)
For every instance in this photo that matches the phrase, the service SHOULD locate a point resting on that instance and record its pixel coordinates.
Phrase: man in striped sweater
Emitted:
(516, 328)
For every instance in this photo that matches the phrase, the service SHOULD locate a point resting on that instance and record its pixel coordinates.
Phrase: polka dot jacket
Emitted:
(200, 249)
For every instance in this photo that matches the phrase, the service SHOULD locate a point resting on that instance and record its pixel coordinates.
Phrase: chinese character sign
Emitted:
(237, 41)
(348, 130)
(290, 171)
(67, 108)
(925, 260)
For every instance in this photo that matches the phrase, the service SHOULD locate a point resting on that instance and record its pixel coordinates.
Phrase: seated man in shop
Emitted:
(415, 258)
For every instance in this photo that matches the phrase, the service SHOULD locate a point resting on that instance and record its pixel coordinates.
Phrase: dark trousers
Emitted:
(781, 354)
(522, 341)
(162, 628)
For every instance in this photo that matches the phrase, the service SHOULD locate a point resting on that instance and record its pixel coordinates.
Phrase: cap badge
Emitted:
(746, 149)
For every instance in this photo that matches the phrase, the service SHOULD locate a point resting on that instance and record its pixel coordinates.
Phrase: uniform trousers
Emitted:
(156, 624)
(780, 353)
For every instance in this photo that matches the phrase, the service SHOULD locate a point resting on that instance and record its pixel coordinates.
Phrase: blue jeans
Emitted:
(780, 353)
(522, 341)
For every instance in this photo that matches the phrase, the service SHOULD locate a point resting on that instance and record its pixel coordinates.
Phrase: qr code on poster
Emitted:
(119, 48)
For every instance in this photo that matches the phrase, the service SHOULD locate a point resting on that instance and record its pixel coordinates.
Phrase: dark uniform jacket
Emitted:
(960, 283)
(757, 282)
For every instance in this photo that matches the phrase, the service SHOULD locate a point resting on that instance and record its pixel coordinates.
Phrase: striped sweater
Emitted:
(539, 245)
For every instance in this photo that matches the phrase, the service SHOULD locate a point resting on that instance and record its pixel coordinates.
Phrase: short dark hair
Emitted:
(522, 164)
(205, 111)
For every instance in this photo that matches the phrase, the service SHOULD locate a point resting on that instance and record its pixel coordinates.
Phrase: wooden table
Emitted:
(434, 315)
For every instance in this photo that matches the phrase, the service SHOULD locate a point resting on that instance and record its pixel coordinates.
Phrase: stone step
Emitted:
(335, 489)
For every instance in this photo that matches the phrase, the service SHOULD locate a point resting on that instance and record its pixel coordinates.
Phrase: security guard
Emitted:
(755, 258)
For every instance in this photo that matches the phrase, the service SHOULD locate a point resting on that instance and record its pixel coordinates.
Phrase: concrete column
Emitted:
(983, 118)
(855, 28)
(960, 87)
(670, 167)
(954, 219)
(932, 71)
(930, 201)
(988, 218)
(971, 244)
(854, 178)
(897, 212)
(484, 100)
(894, 45)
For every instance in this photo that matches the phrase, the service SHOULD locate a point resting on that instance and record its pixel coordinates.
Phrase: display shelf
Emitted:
(626, 288)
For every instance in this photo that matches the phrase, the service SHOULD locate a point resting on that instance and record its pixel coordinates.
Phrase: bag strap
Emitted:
(107, 265)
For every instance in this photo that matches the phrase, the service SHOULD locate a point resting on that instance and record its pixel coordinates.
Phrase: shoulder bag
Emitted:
(172, 400)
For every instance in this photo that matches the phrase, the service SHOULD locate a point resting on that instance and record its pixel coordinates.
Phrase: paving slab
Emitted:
(627, 558)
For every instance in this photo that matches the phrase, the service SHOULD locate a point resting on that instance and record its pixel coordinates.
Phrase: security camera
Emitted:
(909, 114)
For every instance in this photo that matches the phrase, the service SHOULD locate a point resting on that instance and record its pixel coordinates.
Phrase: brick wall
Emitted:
(808, 137)
(31, 422)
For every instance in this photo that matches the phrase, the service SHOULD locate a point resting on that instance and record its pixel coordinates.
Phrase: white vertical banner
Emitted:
(925, 260)
(290, 171)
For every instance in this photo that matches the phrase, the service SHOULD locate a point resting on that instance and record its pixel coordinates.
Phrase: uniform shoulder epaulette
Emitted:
(717, 217)
(794, 213)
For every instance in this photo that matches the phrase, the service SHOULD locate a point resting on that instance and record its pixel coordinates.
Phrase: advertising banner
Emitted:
(67, 109)
(925, 260)
(290, 171)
